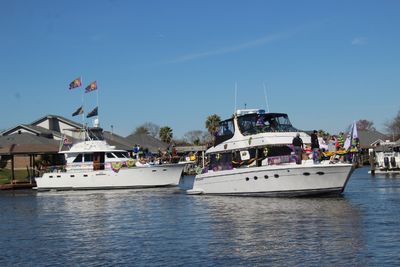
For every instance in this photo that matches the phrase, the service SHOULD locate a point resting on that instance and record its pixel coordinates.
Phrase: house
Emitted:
(369, 139)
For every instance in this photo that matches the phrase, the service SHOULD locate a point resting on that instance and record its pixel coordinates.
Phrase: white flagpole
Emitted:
(266, 97)
(83, 104)
(97, 95)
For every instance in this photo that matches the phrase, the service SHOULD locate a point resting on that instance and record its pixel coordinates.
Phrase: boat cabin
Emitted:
(95, 160)
(252, 122)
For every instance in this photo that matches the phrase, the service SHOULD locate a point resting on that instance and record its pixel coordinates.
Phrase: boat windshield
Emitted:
(265, 123)
(225, 131)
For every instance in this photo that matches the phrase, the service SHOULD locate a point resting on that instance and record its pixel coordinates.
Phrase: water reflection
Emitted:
(292, 230)
(165, 227)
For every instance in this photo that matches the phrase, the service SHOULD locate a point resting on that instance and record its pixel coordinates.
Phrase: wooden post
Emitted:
(372, 160)
(12, 169)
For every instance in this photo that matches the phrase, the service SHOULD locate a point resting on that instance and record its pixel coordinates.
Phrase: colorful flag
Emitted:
(91, 87)
(78, 111)
(75, 83)
(92, 113)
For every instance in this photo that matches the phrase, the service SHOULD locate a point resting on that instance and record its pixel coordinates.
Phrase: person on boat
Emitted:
(135, 151)
(315, 146)
(298, 148)
(340, 141)
(332, 143)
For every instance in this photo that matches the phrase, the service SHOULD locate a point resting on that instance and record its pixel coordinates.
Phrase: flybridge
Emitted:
(241, 112)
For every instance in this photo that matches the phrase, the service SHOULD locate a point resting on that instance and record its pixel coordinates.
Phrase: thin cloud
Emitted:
(231, 49)
(359, 41)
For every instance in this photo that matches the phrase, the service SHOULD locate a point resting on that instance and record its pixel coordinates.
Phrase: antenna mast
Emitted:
(235, 97)
(266, 97)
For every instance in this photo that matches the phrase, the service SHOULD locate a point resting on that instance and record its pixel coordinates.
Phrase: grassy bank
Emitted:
(20, 175)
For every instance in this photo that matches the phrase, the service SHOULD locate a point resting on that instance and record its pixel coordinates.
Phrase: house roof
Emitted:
(118, 141)
(147, 141)
(61, 118)
(26, 143)
(367, 138)
(32, 127)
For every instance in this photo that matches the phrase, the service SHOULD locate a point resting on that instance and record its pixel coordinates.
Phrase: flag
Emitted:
(92, 113)
(78, 111)
(75, 83)
(350, 136)
(91, 87)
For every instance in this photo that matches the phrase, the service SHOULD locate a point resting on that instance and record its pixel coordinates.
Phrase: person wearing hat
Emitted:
(298, 148)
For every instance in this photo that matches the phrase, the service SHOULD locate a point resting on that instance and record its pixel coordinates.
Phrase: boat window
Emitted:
(220, 162)
(262, 123)
(120, 155)
(78, 158)
(225, 131)
(88, 157)
(110, 155)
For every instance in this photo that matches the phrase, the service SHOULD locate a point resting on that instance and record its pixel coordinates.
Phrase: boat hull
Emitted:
(138, 177)
(277, 180)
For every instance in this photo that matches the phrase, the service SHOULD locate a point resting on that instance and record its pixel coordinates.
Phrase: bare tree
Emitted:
(141, 130)
(365, 125)
(148, 128)
(393, 127)
(193, 137)
(153, 128)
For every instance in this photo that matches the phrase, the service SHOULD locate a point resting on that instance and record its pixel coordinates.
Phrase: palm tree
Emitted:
(166, 134)
(212, 123)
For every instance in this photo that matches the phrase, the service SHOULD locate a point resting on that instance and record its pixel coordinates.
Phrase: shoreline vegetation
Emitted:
(20, 176)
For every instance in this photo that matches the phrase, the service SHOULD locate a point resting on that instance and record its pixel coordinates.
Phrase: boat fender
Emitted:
(393, 162)
(386, 161)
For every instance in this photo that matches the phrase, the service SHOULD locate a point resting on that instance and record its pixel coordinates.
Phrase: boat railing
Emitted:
(93, 166)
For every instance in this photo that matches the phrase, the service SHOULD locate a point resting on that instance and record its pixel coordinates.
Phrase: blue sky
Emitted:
(173, 63)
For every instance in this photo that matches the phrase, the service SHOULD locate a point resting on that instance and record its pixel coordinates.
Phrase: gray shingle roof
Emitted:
(369, 137)
(147, 141)
(27, 143)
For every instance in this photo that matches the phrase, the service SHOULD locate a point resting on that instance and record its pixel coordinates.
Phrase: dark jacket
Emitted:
(297, 141)
(314, 141)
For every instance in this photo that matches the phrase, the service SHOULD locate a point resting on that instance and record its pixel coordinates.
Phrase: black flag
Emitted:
(92, 113)
(78, 111)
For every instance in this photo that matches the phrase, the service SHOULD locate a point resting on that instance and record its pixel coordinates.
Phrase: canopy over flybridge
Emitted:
(241, 112)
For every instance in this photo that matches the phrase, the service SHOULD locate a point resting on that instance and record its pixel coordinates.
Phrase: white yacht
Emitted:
(252, 156)
(93, 164)
(386, 158)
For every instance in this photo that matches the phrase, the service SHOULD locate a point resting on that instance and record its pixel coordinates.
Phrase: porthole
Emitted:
(85, 175)
(164, 170)
(320, 173)
(255, 177)
(154, 170)
(58, 176)
(276, 175)
(306, 173)
(266, 176)
(51, 176)
(247, 178)
(72, 175)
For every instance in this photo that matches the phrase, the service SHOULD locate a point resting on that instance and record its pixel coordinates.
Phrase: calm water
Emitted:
(165, 227)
